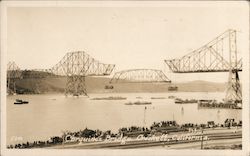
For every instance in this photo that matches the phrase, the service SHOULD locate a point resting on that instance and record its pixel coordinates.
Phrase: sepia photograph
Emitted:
(159, 76)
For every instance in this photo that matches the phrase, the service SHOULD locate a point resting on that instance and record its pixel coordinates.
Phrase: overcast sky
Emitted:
(138, 37)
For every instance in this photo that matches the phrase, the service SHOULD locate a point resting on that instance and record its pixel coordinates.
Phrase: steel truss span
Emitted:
(219, 55)
(212, 57)
(140, 75)
(74, 65)
(80, 63)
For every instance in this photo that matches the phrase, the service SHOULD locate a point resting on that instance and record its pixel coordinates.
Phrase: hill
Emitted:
(97, 85)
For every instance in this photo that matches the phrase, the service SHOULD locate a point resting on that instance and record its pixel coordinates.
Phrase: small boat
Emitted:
(180, 101)
(158, 98)
(129, 103)
(76, 95)
(139, 103)
(110, 98)
(20, 102)
(172, 88)
(171, 97)
(142, 103)
(138, 97)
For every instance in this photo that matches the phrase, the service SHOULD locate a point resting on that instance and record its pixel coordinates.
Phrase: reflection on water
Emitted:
(218, 114)
(49, 115)
(182, 111)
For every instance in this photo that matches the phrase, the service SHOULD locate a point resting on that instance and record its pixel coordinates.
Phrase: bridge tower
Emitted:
(75, 85)
(13, 73)
(212, 58)
(233, 92)
(76, 66)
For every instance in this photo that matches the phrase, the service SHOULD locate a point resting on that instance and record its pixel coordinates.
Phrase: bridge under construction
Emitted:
(74, 65)
(219, 55)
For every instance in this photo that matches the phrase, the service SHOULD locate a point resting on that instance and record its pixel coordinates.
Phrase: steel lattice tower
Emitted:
(233, 92)
(76, 66)
(13, 73)
(75, 85)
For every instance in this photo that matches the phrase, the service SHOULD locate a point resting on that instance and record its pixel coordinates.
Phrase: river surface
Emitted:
(51, 114)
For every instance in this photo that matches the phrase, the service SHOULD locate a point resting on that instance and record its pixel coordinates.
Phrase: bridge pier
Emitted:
(75, 85)
(233, 92)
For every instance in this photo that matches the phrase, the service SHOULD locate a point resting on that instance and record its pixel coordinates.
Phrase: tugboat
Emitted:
(20, 102)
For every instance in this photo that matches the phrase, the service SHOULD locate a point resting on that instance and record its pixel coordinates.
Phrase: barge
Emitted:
(110, 98)
(139, 103)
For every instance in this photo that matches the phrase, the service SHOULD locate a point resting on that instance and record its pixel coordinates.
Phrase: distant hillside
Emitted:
(201, 86)
(97, 85)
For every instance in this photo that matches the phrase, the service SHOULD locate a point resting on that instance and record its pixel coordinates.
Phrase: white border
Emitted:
(245, 78)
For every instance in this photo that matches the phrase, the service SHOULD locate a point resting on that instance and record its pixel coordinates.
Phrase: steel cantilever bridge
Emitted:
(219, 55)
(74, 65)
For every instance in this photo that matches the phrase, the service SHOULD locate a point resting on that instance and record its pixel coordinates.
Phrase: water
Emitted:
(49, 115)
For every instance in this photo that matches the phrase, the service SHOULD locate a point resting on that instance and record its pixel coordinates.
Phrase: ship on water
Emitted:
(20, 102)
(139, 103)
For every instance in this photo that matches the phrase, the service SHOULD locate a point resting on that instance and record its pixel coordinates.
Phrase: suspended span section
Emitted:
(140, 75)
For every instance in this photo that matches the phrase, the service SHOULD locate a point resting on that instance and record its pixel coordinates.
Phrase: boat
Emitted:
(138, 97)
(171, 97)
(75, 95)
(142, 103)
(129, 103)
(172, 88)
(139, 103)
(110, 98)
(158, 98)
(206, 101)
(215, 104)
(20, 102)
(180, 101)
